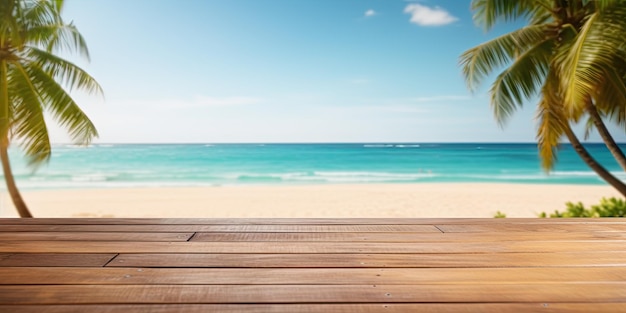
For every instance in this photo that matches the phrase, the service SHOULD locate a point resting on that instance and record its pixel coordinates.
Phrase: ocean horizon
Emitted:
(223, 164)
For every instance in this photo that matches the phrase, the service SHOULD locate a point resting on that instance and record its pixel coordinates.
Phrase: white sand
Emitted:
(385, 200)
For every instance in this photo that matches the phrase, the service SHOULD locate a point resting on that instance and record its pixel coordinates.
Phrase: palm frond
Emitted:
(610, 97)
(588, 128)
(35, 80)
(549, 132)
(552, 123)
(45, 28)
(62, 38)
(478, 62)
(67, 73)
(39, 13)
(587, 61)
(27, 117)
(9, 24)
(62, 107)
(601, 5)
(488, 12)
(59, 5)
(578, 76)
(71, 39)
(520, 81)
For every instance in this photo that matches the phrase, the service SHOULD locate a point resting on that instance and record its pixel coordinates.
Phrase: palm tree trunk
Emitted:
(21, 207)
(593, 164)
(19, 203)
(606, 136)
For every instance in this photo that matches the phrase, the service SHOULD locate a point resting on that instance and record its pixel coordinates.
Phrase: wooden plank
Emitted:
(306, 276)
(445, 260)
(510, 228)
(315, 308)
(407, 237)
(588, 246)
(569, 227)
(303, 221)
(120, 294)
(55, 259)
(219, 228)
(287, 265)
(94, 236)
(221, 221)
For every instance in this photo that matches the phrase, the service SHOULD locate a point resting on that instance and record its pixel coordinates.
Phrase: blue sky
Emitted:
(286, 71)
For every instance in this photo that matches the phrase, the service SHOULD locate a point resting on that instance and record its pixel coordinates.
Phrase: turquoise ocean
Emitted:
(183, 165)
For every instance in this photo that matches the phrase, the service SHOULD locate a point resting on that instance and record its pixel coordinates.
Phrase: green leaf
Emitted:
(552, 123)
(520, 81)
(488, 12)
(588, 63)
(478, 62)
(36, 81)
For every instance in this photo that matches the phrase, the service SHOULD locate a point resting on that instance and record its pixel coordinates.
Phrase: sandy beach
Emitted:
(367, 200)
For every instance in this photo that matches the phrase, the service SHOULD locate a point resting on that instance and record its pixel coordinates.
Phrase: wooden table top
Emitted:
(312, 265)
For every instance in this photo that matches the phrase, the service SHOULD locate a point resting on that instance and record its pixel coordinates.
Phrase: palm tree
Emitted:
(33, 81)
(570, 54)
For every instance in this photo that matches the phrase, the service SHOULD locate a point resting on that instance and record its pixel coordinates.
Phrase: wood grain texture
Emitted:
(589, 246)
(303, 221)
(327, 308)
(49, 259)
(94, 236)
(429, 260)
(216, 228)
(116, 294)
(331, 308)
(306, 276)
(312, 265)
(511, 228)
(408, 237)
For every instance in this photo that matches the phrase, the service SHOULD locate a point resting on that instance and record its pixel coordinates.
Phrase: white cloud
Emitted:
(426, 16)
(370, 13)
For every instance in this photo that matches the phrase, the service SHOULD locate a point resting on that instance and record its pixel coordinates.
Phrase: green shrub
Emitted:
(611, 207)
(499, 215)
